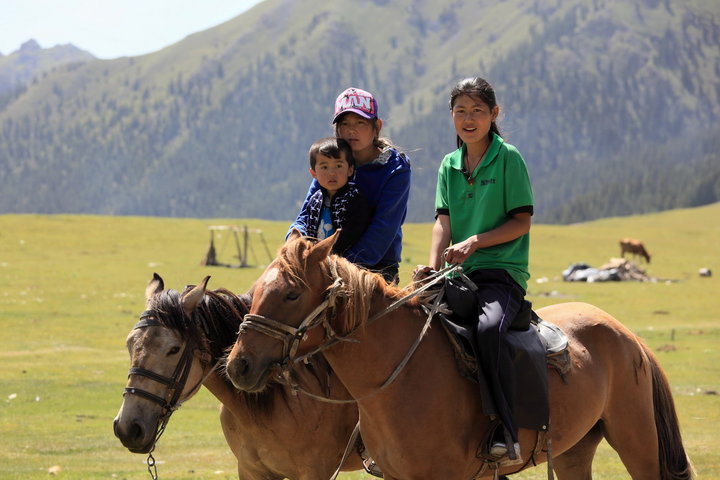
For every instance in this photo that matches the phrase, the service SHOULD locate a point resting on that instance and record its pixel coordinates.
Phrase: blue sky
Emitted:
(111, 28)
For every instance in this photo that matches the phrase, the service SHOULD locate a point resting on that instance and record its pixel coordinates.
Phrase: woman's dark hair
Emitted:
(475, 87)
(331, 147)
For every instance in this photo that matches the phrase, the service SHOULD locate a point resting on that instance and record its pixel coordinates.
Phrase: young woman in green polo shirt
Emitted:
(483, 207)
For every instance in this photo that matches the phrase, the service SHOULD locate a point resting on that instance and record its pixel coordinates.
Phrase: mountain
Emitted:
(31, 61)
(614, 105)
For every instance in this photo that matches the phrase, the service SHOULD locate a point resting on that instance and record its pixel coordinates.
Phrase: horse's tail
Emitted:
(674, 462)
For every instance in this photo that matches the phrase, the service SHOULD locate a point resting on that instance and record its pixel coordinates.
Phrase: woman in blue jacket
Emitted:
(382, 173)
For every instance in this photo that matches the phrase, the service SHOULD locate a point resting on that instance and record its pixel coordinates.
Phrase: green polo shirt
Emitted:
(499, 188)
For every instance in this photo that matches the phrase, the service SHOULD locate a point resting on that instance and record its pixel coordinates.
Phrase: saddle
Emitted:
(536, 344)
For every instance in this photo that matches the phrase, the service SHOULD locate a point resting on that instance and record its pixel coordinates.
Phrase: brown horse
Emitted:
(426, 421)
(274, 435)
(633, 247)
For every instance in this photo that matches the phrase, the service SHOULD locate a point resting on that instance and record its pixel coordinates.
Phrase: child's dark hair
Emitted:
(331, 147)
(475, 87)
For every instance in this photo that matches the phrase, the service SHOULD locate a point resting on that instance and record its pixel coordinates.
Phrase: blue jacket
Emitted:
(385, 182)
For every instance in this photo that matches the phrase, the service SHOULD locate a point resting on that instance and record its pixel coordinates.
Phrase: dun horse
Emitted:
(427, 422)
(274, 435)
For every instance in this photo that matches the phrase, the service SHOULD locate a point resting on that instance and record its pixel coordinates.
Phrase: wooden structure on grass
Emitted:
(242, 239)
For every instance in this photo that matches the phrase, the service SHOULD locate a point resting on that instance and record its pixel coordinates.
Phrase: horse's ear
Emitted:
(323, 248)
(156, 285)
(294, 235)
(246, 302)
(192, 298)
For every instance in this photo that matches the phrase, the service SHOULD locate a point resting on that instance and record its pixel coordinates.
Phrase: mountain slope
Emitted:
(606, 101)
(30, 62)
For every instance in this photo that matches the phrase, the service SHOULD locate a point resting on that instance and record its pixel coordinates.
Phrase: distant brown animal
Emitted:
(633, 247)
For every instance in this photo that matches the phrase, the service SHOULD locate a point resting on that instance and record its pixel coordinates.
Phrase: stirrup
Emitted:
(371, 467)
(505, 456)
(498, 448)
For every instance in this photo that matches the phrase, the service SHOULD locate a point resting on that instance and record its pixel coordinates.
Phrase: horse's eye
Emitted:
(173, 351)
(292, 296)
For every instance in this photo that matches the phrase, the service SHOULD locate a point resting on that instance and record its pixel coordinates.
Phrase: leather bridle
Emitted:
(292, 336)
(175, 385)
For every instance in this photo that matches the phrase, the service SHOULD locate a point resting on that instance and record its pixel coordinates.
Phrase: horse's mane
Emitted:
(214, 324)
(213, 328)
(358, 284)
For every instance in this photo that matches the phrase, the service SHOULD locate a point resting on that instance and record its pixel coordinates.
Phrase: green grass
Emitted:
(71, 287)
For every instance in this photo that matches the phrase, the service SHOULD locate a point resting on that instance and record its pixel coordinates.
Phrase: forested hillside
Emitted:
(615, 106)
(30, 63)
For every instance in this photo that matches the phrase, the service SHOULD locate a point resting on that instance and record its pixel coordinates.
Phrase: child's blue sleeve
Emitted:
(301, 220)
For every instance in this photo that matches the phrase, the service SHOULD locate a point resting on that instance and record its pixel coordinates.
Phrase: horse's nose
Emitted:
(237, 369)
(131, 435)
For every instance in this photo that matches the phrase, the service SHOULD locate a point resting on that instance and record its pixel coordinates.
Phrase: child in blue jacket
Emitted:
(338, 204)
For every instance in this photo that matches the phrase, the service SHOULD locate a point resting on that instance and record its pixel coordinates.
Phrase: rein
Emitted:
(175, 384)
(291, 336)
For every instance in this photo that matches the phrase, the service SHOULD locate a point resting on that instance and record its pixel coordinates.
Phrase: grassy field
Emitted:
(71, 287)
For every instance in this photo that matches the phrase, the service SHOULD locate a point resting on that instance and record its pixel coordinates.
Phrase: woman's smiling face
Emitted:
(472, 118)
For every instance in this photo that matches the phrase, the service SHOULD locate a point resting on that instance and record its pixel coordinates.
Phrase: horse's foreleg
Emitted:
(576, 463)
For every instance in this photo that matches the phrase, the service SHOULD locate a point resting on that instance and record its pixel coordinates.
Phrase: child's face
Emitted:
(331, 173)
(359, 132)
(472, 118)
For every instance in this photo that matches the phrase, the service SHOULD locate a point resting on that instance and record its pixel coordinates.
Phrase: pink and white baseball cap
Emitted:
(357, 101)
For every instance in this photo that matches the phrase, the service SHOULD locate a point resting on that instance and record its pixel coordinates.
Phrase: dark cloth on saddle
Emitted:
(493, 324)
